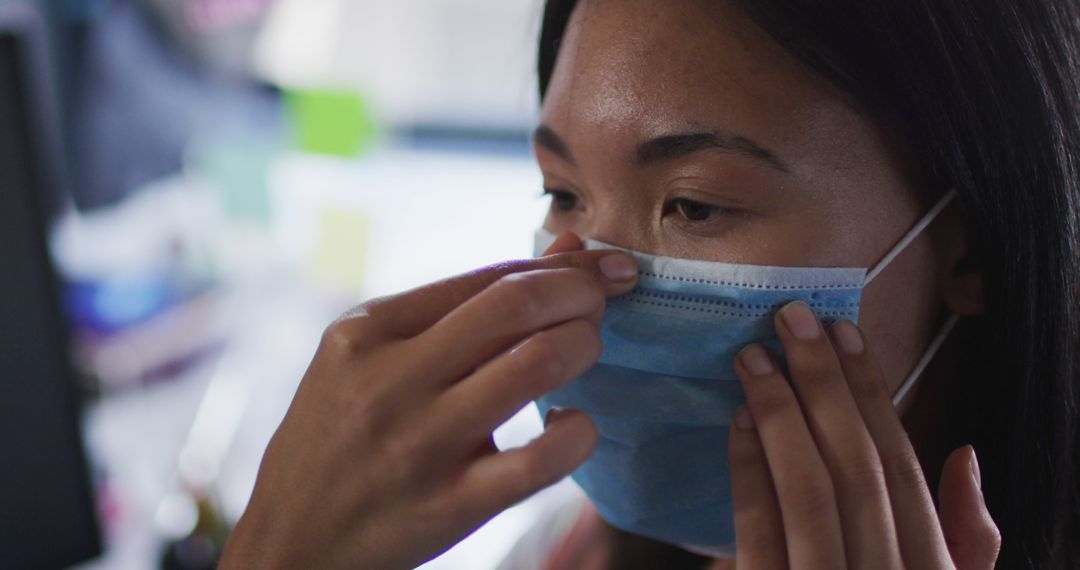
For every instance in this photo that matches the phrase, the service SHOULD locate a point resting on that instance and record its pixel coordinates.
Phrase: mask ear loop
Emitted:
(931, 350)
(949, 325)
(910, 236)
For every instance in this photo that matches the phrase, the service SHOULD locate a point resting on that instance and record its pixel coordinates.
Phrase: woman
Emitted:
(765, 133)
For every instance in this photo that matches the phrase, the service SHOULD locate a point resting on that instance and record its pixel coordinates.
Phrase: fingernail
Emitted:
(975, 471)
(560, 240)
(801, 321)
(618, 267)
(848, 337)
(744, 420)
(552, 415)
(755, 360)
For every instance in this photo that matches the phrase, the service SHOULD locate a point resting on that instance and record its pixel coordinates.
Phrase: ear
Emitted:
(961, 277)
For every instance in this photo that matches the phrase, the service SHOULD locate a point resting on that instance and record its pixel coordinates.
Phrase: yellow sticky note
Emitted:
(340, 257)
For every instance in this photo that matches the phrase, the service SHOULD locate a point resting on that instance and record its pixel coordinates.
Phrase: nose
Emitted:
(614, 229)
(616, 219)
(605, 227)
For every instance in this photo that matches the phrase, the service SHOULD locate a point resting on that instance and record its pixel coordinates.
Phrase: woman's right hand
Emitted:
(385, 458)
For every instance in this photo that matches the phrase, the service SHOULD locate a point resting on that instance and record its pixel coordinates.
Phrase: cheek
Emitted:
(559, 224)
(900, 311)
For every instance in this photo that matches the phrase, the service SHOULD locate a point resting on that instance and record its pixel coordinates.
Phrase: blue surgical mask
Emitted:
(664, 391)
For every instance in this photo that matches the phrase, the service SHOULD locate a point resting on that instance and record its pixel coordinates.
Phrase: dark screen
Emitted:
(46, 507)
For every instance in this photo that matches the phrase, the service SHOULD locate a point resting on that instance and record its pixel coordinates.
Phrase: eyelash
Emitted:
(563, 202)
(688, 209)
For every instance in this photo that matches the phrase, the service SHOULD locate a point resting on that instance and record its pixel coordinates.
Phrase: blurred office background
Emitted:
(236, 174)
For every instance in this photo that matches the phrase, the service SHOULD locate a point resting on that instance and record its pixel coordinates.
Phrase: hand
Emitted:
(823, 473)
(385, 458)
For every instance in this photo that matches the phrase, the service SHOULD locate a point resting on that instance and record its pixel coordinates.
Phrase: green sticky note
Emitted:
(336, 123)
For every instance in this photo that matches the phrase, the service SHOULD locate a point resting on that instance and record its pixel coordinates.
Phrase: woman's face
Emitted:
(682, 129)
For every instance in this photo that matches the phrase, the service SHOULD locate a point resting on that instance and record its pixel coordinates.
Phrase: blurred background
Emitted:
(210, 183)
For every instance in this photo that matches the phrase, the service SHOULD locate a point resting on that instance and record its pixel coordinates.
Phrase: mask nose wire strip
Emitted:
(931, 350)
(910, 236)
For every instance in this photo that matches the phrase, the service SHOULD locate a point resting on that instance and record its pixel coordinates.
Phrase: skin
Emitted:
(385, 458)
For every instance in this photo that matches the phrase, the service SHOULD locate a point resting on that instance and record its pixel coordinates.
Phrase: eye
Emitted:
(561, 200)
(695, 211)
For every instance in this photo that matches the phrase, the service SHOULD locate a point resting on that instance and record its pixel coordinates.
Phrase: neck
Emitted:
(627, 551)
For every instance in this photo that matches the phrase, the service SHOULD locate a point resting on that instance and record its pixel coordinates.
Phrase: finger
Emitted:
(495, 392)
(503, 315)
(565, 243)
(498, 481)
(842, 438)
(812, 529)
(759, 528)
(922, 544)
(408, 314)
(973, 539)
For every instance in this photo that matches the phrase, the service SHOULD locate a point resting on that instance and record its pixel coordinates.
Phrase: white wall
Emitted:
(449, 62)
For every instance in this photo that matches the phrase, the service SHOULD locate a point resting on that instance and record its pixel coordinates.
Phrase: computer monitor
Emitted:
(47, 514)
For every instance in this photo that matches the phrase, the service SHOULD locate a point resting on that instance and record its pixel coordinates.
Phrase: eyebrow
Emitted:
(668, 147)
(545, 137)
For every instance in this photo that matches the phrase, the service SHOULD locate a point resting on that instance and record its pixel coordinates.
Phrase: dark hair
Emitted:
(988, 93)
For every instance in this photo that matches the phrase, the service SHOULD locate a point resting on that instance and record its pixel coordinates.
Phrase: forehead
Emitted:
(640, 68)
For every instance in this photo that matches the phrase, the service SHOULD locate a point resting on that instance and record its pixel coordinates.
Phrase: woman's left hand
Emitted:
(824, 475)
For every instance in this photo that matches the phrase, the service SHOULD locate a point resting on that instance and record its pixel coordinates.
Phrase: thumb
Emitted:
(973, 539)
